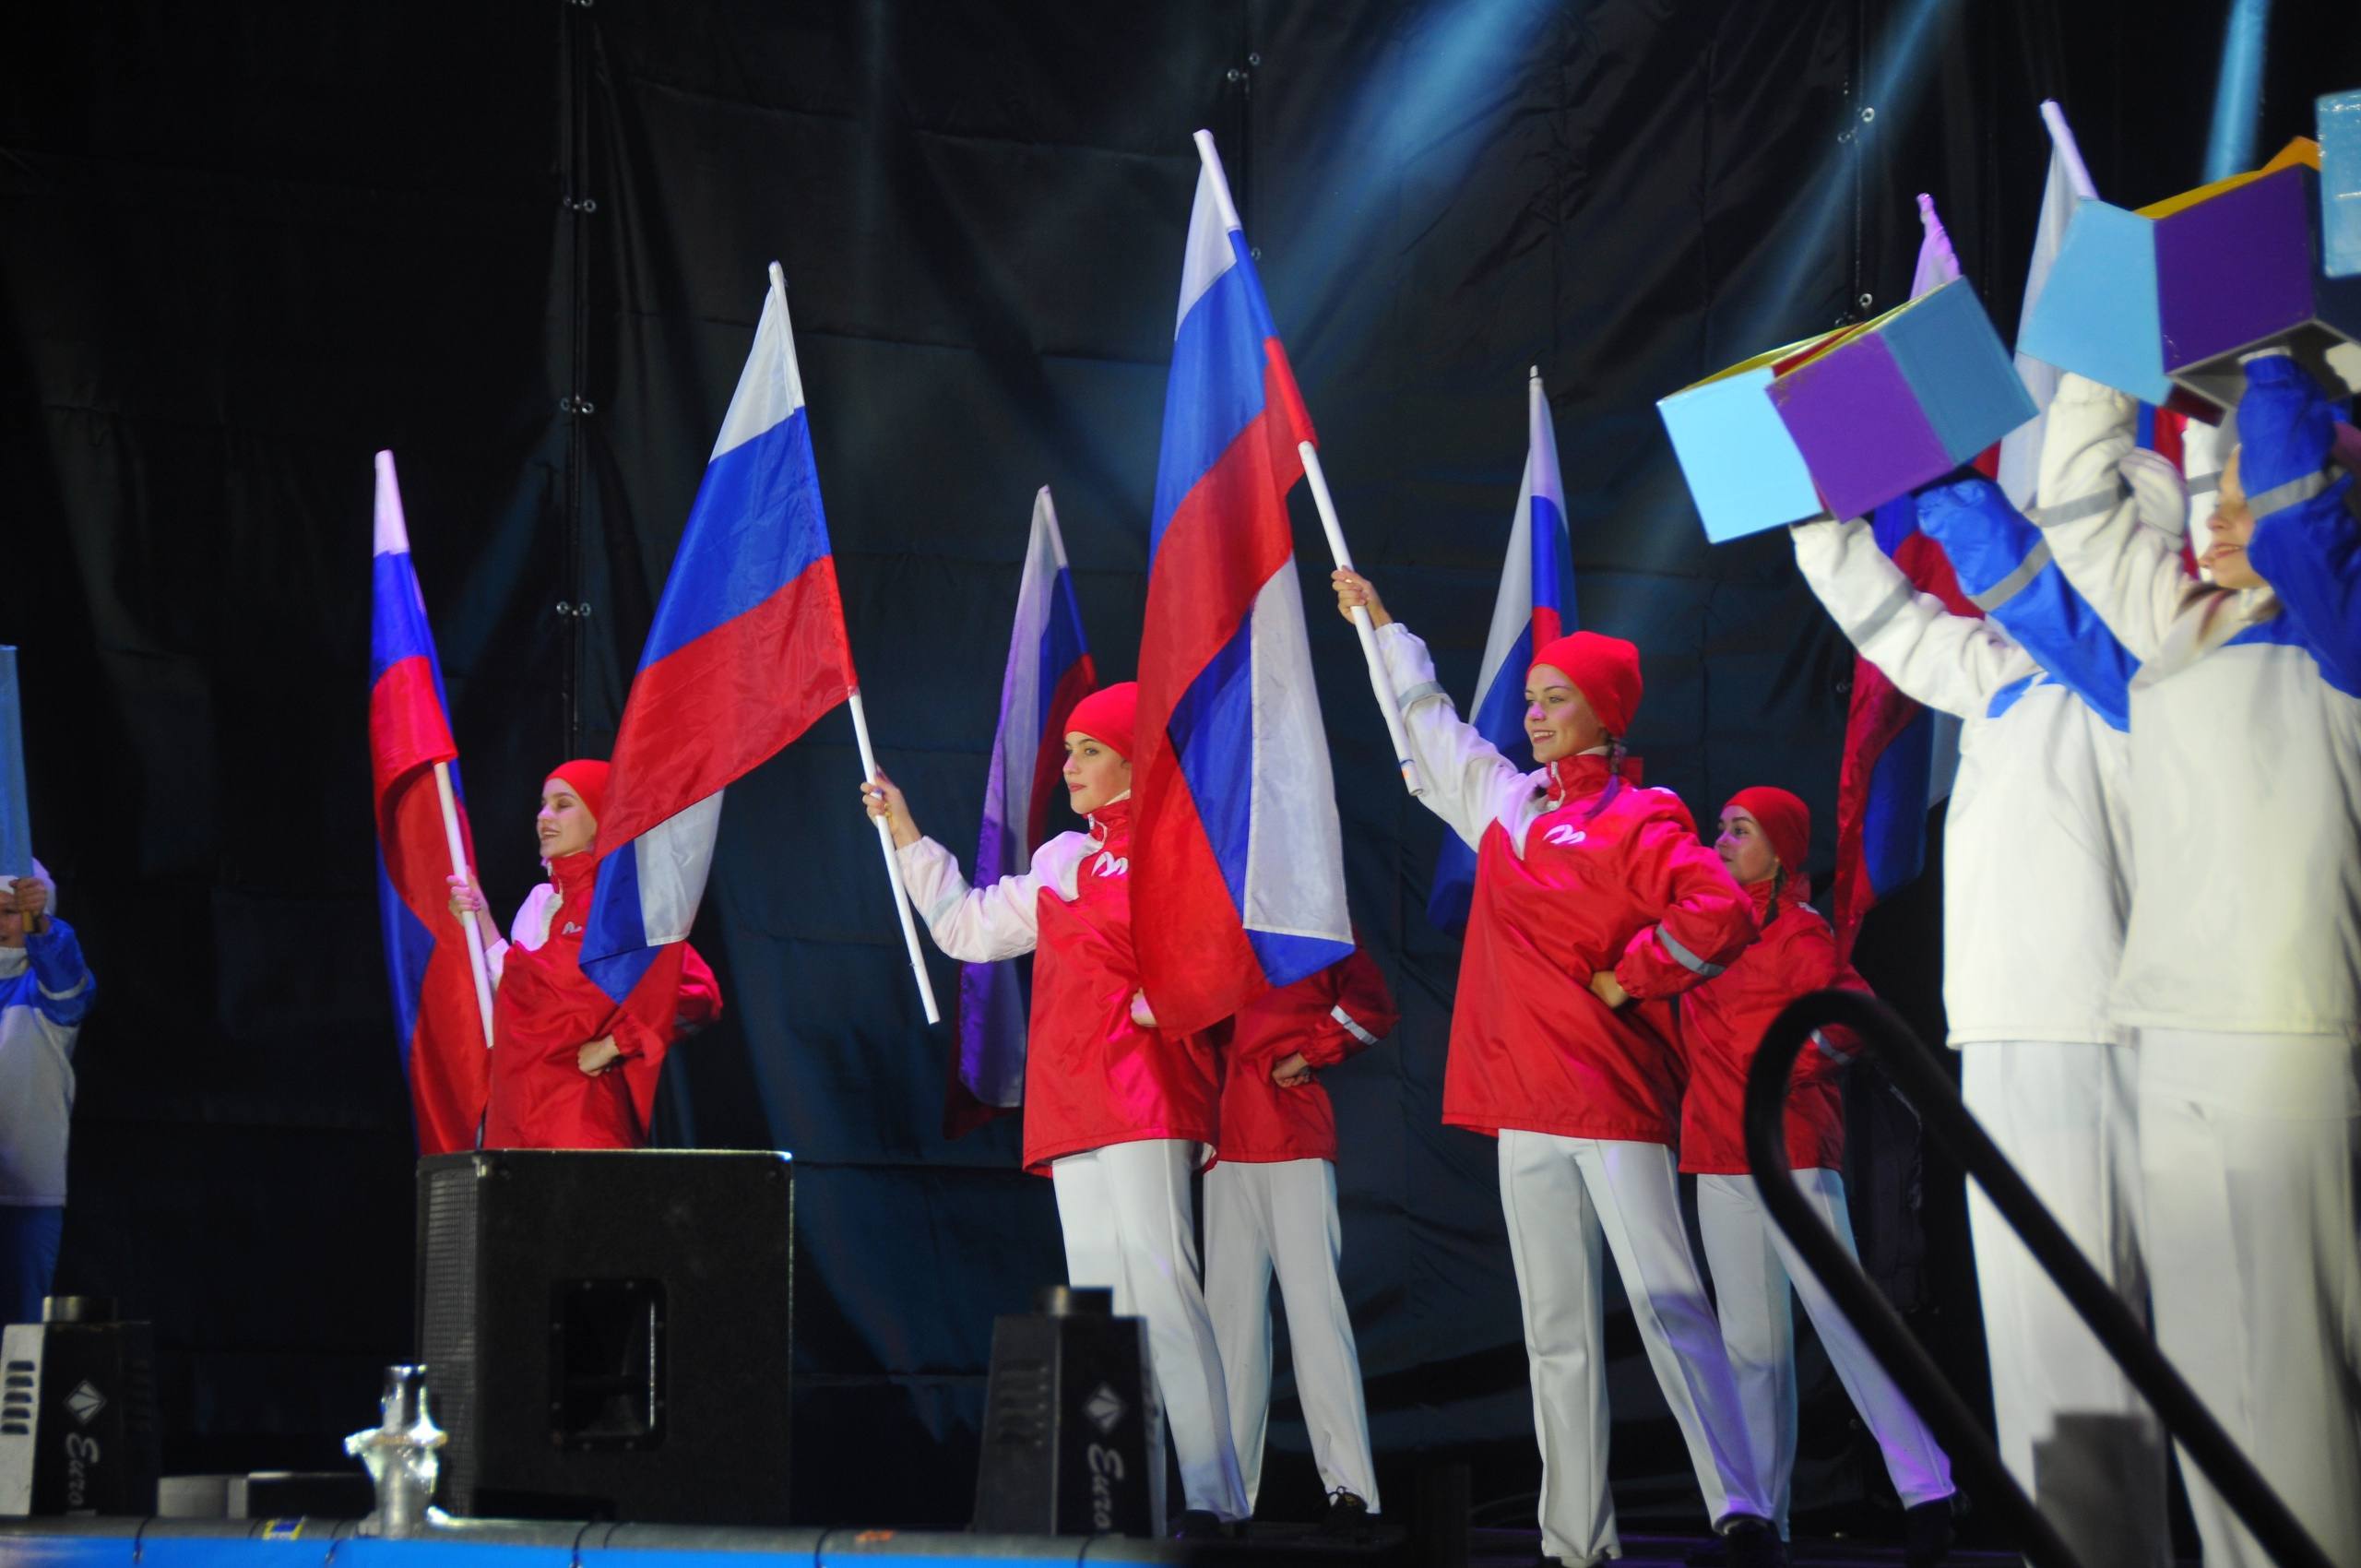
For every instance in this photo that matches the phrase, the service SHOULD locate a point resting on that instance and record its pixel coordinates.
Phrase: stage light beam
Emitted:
(2237, 94)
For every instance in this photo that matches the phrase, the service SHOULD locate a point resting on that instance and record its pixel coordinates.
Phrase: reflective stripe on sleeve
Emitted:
(1687, 959)
(2293, 492)
(2008, 588)
(2090, 505)
(1352, 1026)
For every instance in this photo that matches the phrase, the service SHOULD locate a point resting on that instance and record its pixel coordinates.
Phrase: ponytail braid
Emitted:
(1614, 778)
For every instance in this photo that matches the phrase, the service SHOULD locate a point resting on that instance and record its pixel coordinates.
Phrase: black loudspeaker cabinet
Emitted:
(79, 1433)
(606, 1334)
(1071, 1428)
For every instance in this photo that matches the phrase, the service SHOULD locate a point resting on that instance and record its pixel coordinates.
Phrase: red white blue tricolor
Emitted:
(748, 649)
(436, 1016)
(1238, 866)
(1535, 607)
(1049, 670)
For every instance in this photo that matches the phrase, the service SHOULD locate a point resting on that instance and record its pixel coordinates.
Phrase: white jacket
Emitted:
(2035, 858)
(2247, 819)
(983, 925)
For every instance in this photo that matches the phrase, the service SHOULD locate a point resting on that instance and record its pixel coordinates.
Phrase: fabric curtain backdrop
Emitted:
(239, 251)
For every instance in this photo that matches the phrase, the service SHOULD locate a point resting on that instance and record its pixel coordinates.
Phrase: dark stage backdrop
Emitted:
(242, 248)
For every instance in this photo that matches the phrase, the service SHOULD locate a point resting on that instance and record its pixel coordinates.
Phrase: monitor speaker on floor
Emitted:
(1074, 1436)
(606, 1334)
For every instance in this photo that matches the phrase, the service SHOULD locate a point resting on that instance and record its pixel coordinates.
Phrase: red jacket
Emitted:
(1092, 1076)
(1329, 1015)
(1629, 889)
(547, 1009)
(1723, 1022)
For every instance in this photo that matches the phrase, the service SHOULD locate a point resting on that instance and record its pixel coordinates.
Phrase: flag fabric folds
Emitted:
(436, 1019)
(1237, 863)
(1049, 670)
(747, 649)
(1535, 606)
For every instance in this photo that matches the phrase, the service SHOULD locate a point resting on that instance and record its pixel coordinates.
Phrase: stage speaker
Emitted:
(606, 1334)
(1074, 1437)
(77, 1412)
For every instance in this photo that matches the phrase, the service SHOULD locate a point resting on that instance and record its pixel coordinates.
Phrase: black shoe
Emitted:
(1347, 1514)
(1752, 1542)
(1200, 1523)
(1927, 1531)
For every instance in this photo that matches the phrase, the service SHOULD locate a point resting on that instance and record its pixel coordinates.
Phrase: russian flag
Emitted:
(1238, 880)
(1049, 670)
(437, 1018)
(748, 649)
(1535, 606)
(1889, 780)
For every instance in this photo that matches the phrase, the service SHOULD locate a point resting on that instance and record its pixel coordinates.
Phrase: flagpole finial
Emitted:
(390, 536)
(1533, 372)
(1209, 157)
(2061, 137)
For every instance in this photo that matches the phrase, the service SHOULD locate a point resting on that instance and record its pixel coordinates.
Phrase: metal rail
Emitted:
(1923, 1081)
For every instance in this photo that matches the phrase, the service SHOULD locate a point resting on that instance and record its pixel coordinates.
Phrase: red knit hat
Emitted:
(1606, 670)
(586, 778)
(1786, 820)
(1105, 716)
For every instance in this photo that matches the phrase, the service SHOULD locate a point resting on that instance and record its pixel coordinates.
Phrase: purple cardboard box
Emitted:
(1901, 400)
(2243, 270)
(1856, 419)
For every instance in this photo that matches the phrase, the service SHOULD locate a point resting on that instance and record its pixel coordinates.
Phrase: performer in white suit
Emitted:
(2241, 969)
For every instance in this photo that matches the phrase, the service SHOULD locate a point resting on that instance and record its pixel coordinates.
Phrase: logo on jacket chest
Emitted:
(1110, 864)
(1564, 835)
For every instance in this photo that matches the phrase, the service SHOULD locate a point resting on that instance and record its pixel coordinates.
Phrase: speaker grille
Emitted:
(449, 1224)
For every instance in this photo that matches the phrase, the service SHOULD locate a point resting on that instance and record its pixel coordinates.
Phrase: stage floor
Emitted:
(334, 1543)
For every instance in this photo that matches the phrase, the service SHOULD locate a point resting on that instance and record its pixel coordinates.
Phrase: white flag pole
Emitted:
(892, 861)
(1386, 703)
(476, 965)
(861, 721)
(1211, 160)
(2061, 137)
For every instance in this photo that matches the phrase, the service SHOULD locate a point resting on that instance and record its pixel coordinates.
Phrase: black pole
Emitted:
(1921, 1077)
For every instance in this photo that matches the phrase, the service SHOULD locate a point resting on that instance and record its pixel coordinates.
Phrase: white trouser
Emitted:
(1125, 1212)
(2249, 1144)
(1753, 1262)
(1282, 1215)
(1558, 1194)
(2072, 1430)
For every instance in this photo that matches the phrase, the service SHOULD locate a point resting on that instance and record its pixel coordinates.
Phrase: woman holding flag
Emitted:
(1118, 1113)
(570, 1068)
(1591, 893)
